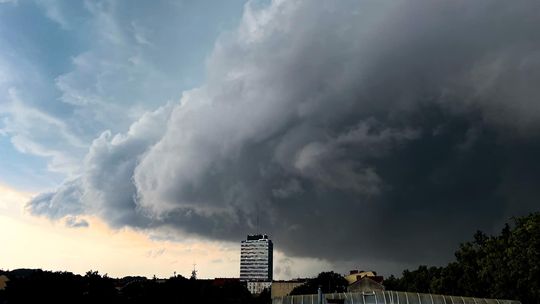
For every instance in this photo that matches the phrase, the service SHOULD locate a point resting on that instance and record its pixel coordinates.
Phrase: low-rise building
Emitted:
(355, 275)
(284, 288)
(366, 284)
(381, 297)
(364, 281)
(256, 287)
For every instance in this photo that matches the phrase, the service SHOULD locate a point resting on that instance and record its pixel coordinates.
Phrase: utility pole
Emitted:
(194, 273)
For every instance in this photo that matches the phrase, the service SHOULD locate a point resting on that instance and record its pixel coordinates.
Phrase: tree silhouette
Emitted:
(328, 281)
(502, 266)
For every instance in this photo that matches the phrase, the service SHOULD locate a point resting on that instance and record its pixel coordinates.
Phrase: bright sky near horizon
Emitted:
(38, 243)
(33, 242)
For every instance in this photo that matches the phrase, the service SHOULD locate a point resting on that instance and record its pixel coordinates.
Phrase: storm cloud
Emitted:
(354, 130)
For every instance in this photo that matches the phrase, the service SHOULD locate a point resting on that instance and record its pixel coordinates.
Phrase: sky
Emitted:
(140, 138)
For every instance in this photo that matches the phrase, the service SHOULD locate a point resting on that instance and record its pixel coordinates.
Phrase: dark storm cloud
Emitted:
(357, 130)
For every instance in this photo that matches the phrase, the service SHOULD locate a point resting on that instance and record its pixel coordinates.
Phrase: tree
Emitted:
(328, 281)
(502, 266)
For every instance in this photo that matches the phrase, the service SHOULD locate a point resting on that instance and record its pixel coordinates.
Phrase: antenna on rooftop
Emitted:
(193, 273)
(257, 227)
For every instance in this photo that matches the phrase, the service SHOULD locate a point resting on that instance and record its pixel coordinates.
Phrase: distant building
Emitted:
(256, 287)
(364, 281)
(355, 275)
(256, 262)
(366, 284)
(256, 258)
(284, 288)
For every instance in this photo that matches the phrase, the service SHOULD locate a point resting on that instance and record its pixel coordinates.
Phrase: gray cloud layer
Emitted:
(74, 222)
(358, 130)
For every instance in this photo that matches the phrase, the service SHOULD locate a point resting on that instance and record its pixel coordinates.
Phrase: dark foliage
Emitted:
(503, 266)
(38, 286)
(328, 281)
(263, 298)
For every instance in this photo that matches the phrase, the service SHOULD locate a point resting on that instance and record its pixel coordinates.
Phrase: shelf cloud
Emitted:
(351, 130)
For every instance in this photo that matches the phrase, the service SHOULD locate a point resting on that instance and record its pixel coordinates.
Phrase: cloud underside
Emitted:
(353, 130)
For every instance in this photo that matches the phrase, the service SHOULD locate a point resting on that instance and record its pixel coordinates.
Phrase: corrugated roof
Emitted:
(389, 297)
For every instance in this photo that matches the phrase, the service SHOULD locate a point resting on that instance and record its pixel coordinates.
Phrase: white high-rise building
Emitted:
(256, 258)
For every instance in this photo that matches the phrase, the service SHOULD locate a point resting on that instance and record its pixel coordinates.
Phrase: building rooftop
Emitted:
(380, 297)
(256, 237)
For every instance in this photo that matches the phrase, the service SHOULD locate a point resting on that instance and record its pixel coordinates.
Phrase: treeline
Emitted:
(38, 286)
(505, 266)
